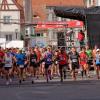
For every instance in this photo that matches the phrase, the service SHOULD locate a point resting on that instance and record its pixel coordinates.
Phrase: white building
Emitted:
(90, 3)
(98, 2)
(11, 14)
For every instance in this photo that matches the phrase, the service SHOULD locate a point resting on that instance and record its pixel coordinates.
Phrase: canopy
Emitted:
(77, 13)
(13, 44)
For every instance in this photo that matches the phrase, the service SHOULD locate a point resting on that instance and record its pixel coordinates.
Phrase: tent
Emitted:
(90, 16)
(13, 44)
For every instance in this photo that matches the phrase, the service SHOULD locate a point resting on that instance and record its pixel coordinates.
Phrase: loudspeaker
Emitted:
(93, 29)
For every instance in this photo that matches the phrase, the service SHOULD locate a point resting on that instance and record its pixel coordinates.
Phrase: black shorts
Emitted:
(97, 65)
(7, 68)
(47, 66)
(14, 64)
(1, 65)
(90, 62)
(33, 64)
(26, 65)
(75, 66)
(62, 66)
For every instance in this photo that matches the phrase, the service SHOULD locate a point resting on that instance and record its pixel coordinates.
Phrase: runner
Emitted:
(90, 58)
(63, 63)
(74, 61)
(42, 61)
(38, 53)
(94, 57)
(8, 67)
(48, 64)
(33, 64)
(20, 60)
(98, 63)
(83, 62)
(15, 70)
(1, 61)
(56, 65)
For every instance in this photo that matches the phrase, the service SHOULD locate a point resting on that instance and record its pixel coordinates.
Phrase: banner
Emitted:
(59, 24)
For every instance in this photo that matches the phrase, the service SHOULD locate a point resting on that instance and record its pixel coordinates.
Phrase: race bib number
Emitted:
(56, 62)
(62, 58)
(74, 60)
(49, 60)
(33, 60)
(21, 66)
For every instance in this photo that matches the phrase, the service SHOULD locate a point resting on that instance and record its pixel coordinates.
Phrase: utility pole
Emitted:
(28, 19)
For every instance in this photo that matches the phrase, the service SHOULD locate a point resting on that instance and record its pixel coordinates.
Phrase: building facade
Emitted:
(43, 12)
(89, 3)
(11, 19)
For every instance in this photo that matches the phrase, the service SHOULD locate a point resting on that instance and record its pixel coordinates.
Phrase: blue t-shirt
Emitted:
(20, 59)
(48, 58)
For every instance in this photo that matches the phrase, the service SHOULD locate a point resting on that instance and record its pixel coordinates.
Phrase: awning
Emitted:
(77, 13)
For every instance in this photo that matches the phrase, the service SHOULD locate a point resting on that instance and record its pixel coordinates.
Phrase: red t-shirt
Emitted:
(62, 59)
(1, 56)
(81, 36)
(38, 53)
(83, 58)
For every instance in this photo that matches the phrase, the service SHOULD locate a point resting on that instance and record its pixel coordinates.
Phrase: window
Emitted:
(50, 14)
(8, 37)
(90, 2)
(7, 19)
(39, 34)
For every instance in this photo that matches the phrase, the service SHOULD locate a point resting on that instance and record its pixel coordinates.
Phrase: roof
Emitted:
(9, 5)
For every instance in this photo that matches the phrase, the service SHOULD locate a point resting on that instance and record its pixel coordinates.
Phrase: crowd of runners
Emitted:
(47, 63)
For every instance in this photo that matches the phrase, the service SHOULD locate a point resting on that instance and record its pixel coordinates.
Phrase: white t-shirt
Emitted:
(8, 61)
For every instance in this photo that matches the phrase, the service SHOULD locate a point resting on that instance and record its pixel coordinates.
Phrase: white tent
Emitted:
(13, 44)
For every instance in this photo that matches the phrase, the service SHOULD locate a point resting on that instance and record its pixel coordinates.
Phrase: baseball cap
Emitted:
(97, 50)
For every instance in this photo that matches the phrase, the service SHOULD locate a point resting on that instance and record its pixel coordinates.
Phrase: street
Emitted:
(54, 90)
